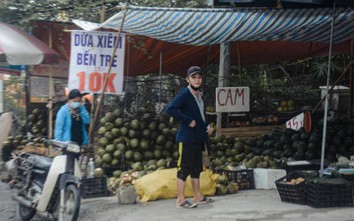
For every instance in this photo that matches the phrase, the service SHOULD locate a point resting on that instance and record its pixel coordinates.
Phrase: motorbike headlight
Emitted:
(72, 147)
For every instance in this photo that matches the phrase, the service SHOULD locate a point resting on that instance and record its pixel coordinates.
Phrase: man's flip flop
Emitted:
(206, 200)
(188, 205)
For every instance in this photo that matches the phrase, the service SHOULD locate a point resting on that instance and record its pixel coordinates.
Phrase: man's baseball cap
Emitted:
(194, 70)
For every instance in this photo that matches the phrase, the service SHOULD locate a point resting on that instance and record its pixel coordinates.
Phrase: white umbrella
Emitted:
(19, 48)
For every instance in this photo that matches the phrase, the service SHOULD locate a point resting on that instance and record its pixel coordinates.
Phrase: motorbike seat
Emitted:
(42, 162)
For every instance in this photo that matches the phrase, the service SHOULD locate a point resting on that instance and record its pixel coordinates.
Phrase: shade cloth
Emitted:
(213, 26)
(176, 58)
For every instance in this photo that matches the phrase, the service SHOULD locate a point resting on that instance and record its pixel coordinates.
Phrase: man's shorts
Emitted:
(189, 160)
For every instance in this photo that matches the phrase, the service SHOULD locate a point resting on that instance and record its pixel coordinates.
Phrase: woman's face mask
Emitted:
(75, 104)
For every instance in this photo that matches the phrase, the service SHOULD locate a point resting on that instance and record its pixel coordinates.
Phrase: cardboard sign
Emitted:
(232, 99)
(301, 120)
(39, 89)
(90, 57)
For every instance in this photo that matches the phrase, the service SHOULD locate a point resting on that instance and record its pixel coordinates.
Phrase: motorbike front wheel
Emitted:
(26, 213)
(72, 203)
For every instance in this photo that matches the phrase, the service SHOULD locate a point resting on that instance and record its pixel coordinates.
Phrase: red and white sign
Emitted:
(301, 120)
(232, 99)
(90, 56)
(296, 122)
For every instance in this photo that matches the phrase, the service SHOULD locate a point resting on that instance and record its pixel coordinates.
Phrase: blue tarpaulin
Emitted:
(213, 26)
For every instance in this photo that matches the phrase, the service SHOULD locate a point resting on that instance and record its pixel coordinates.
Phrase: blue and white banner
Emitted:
(90, 57)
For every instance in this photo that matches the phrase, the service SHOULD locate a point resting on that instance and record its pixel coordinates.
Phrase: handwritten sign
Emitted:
(296, 122)
(39, 89)
(90, 57)
(301, 120)
(232, 99)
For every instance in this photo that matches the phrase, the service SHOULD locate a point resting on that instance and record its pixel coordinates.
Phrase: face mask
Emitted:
(194, 88)
(75, 105)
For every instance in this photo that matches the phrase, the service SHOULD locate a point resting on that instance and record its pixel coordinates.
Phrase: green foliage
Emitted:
(13, 96)
(319, 67)
(22, 12)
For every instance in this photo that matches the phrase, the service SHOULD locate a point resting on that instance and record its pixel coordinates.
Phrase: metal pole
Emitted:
(326, 101)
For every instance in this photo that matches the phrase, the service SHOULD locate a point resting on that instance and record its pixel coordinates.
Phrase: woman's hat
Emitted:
(74, 93)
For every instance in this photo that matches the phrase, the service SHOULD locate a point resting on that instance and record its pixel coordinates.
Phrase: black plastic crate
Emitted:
(349, 178)
(329, 192)
(244, 178)
(293, 193)
(94, 187)
(108, 171)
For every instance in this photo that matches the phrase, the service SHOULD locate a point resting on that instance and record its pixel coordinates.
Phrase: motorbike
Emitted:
(49, 187)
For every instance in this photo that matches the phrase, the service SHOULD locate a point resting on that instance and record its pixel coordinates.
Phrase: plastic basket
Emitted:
(108, 171)
(321, 194)
(94, 187)
(244, 178)
(265, 178)
(349, 178)
(293, 193)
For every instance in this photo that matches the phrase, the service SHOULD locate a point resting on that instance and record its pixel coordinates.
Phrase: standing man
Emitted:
(188, 108)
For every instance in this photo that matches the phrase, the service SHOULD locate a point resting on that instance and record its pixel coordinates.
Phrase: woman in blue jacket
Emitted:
(71, 120)
(188, 108)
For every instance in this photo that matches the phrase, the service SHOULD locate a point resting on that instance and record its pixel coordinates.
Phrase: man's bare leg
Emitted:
(196, 189)
(180, 191)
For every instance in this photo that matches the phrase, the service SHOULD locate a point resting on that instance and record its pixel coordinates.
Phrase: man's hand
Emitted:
(210, 131)
(192, 124)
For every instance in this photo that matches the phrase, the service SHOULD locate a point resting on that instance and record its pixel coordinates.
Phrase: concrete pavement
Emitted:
(246, 205)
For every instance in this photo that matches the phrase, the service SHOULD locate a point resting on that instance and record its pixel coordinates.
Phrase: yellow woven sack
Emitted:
(161, 184)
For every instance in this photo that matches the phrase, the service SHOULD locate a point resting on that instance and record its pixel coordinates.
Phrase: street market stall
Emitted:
(213, 26)
(199, 27)
(138, 137)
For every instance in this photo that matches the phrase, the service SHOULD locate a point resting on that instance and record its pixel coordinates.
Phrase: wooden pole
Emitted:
(107, 77)
(92, 111)
(239, 60)
(50, 104)
(91, 149)
(224, 73)
(103, 10)
(50, 132)
(160, 81)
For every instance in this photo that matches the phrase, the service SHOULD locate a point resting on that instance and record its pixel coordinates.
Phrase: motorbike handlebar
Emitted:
(58, 143)
(67, 145)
